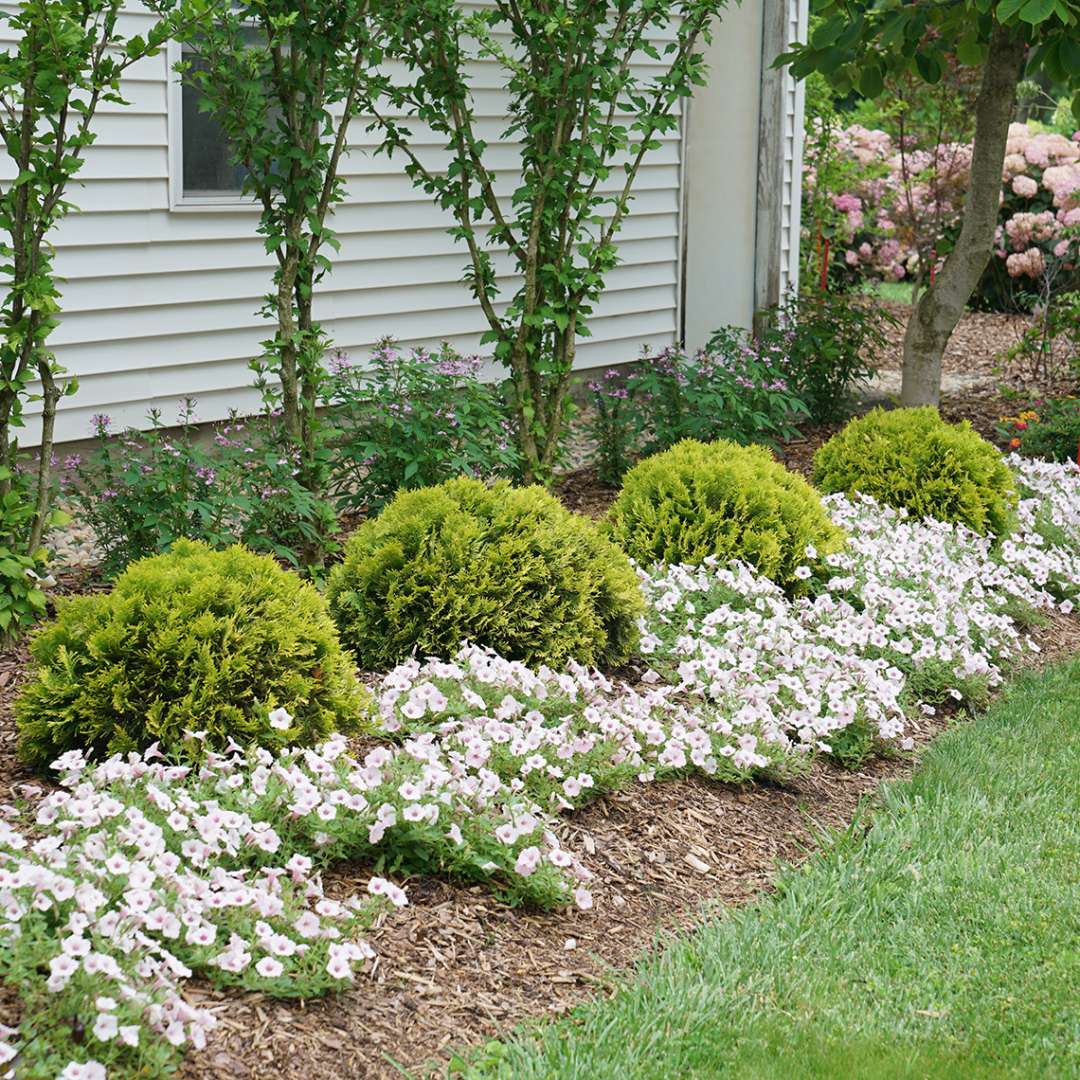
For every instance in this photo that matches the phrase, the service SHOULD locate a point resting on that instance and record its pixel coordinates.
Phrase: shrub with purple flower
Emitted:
(412, 418)
(828, 343)
(140, 491)
(735, 389)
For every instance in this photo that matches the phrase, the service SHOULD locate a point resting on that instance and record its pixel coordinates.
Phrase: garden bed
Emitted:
(974, 388)
(457, 967)
(797, 681)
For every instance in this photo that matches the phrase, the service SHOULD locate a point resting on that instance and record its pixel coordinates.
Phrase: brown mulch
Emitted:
(13, 666)
(581, 492)
(973, 348)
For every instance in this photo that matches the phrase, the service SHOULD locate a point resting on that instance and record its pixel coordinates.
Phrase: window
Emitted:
(201, 172)
(206, 167)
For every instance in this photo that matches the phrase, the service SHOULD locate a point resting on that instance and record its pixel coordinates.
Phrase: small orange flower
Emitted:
(1014, 444)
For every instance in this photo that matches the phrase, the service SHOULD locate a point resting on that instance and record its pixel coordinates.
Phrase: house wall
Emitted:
(721, 182)
(161, 299)
(744, 155)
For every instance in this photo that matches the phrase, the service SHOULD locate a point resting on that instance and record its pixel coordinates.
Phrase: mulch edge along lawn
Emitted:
(938, 936)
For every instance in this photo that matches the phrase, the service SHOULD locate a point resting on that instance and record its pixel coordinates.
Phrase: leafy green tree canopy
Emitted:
(858, 45)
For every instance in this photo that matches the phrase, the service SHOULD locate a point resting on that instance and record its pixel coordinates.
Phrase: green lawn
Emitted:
(899, 291)
(942, 943)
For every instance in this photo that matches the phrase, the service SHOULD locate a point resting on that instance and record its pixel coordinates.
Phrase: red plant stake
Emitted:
(825, 266)
(933, 265)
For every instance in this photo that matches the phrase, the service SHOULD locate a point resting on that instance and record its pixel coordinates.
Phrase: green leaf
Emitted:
(871, 81)
(928, 66)
(1037, 11)
(971, 51)
(1007, 9)
(829, 31)
(1070, 54)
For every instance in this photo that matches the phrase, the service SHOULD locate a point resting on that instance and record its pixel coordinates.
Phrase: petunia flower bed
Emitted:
(138, 874)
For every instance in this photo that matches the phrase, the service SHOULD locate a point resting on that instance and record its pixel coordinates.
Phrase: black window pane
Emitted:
(207, 169)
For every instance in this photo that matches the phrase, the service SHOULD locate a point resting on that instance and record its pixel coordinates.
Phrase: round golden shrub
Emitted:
(913, 460)
(196, 639)
(724, 500)
(503, 567)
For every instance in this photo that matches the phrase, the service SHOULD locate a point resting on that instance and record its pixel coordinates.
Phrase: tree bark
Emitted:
(937, 313)
(50, 394)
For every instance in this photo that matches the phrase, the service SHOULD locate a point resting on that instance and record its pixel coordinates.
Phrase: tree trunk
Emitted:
(286, 344)
(50, 394)
(942, 304)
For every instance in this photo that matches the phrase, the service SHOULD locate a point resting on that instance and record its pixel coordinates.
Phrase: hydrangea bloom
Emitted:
(892, 200)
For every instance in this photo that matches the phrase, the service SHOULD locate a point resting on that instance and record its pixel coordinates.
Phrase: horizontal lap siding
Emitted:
(161, 304)
(794, 105)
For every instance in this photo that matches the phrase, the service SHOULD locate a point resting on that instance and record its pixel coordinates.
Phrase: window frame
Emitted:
(178, 200)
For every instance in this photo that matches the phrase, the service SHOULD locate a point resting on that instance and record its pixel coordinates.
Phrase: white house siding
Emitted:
(160, 300)
(794, 103)
(741, 246)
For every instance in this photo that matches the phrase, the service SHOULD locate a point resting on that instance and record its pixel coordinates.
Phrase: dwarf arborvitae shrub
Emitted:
(913, 460)
(509, 568)
(726, 500)
(199, 640)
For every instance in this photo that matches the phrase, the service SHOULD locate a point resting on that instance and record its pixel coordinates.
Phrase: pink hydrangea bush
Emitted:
(894, 203)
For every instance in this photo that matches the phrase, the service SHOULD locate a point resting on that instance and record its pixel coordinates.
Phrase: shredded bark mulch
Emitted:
(583, 493)
(974, 348)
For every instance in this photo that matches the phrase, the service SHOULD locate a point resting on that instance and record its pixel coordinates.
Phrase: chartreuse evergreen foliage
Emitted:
(733, 502)
(191, 640)
(913, 460)
(508, 568)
